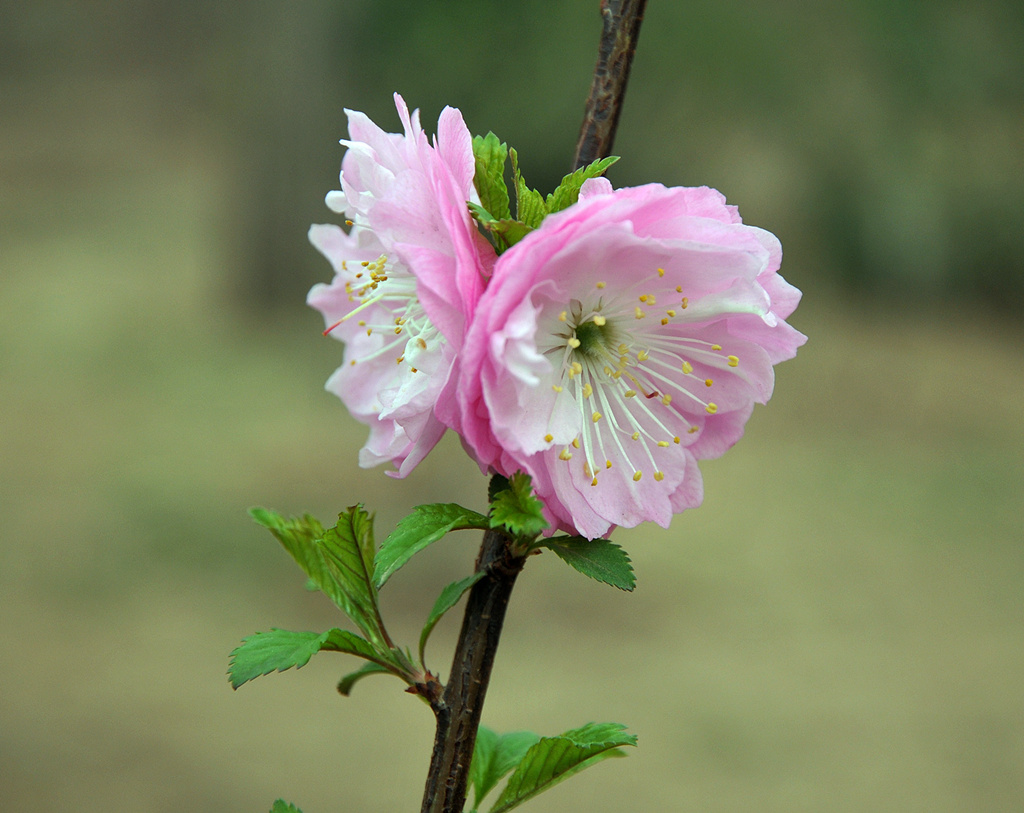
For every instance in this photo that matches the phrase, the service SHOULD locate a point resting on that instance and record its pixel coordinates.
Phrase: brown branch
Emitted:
(459, 707)
(620, 29)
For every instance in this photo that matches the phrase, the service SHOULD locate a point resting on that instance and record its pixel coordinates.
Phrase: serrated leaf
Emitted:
(516, 509)
(494, 756)
(553, 759)
(489, 179)
(279, 650)
(568, 191)
(299, 536)
(424, 526)
(281, 806)
(530, 206)
(348, 551)
(449, 597)
(346, 683)
(599, 559)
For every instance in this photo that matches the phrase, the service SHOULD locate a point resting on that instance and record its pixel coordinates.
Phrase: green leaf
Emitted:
(553, 759)
(449, 598)
(281, 806)
(530, 206)
(568, 191)
(494, 756)
(489, 179)
(516, 509)
(299, 537)
(348, 550)
(597, 558)
(424, 526)
(279, 650)
(346, 683)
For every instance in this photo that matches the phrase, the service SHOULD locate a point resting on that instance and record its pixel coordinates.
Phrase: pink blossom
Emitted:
(407, 276)
(624, 339)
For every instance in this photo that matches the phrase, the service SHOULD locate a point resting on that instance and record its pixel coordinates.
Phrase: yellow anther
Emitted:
(369, 330)
(348, 223)
(629, 394)
(677, 439)
(711, 408)
(556, 388)
(692, 429)
(664, 320)
(685, 303)
(637, 476)
(565, 454)
(594, 481)
(734, 361)
(575, 443)
(574, 342)
(659, 476)
(600, 285)
(595, 417)
(577, 367)
(661, 272)
(365, 263)
(687, 367)
(679, 289)
(360, 273)
(643, 297)
(421, 344)
(352, 363)
(635, 436)
(716, 347)
(587, 390)
(639, 314)
(361, 323)
(670, 312)
(563, 316)
(599, 320)
(617, 375)
(398, 330)
(400, 359)
(663, 443)
(607, 464)
(623, 348)
(608, 370)
(413, 369)
(548, 438)
(643, 355)
(666, 399)
(708, 382)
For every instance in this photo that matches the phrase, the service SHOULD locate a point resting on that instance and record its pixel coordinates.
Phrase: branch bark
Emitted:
(620, 29)
(459, 707)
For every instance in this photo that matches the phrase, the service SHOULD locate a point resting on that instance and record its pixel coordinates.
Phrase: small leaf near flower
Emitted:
(281, 806)
(599, 559)
(516, 509)
(568, 191)
(530, 206)
(424, 526)
(490, 154)
(449, 598)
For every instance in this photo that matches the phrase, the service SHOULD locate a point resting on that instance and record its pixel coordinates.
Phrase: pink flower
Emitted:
(407, 276)
(624, 339)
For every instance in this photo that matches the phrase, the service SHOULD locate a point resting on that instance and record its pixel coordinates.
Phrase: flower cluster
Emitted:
(613, 342)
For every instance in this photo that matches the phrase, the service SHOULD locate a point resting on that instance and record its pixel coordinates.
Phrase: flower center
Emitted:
(622, 360)
(388, 305)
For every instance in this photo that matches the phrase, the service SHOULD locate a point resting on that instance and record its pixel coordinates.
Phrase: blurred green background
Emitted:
(840, 627)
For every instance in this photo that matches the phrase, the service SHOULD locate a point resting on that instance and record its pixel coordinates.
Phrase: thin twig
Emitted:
(620, 29)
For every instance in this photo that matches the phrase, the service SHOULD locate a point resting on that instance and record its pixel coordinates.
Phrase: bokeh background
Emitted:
(840, 627)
